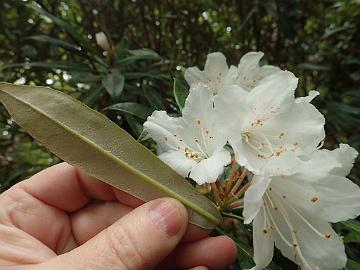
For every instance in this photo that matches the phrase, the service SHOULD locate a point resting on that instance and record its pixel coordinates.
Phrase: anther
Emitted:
(314, 199)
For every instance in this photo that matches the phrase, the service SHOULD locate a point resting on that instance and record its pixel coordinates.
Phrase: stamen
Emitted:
(321, 144)
(314, 199)
(276, 227)
(305, 221)
(295, 242)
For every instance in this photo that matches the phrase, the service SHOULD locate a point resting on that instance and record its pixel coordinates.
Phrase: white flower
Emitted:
(102, 41)
(294, 210)
(250, 73)
(268, 121)
(216, 74)
(191, 143)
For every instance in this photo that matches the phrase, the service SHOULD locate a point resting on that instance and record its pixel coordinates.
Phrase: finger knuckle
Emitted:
(124, 246)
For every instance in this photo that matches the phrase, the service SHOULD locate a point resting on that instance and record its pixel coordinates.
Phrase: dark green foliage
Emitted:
(53, 43)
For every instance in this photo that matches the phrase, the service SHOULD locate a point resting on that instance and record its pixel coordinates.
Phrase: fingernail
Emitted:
(166, 216)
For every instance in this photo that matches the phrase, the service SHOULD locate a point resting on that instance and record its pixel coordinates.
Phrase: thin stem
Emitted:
(230, 215)
(216, 193)
(239, 181)
(236, 204)
(229, 180)
(242, 190)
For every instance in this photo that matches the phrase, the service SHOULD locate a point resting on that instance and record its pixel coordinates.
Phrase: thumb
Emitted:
(139, 240)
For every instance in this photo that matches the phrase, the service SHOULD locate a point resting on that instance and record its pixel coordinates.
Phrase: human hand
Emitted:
(62, 218)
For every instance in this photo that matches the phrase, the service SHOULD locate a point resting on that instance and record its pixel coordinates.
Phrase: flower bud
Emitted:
(102, 41)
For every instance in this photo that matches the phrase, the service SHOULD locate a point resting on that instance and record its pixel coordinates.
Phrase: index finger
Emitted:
(69, 189)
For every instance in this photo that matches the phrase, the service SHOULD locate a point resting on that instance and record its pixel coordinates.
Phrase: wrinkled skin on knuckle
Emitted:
(124, 246)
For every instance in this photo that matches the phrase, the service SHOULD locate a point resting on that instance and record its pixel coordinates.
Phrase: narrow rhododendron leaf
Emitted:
(132, 108)
(90, 141)
(180, 93)
(114, 83)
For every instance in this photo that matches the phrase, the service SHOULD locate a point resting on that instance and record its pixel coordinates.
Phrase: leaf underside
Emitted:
(90, 141)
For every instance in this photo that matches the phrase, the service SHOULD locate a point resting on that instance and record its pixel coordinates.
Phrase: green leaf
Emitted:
(133, 108)
(310, 66)
(59, 43)
(343, 108)
(114, 83)
(135, 126)
(154, 97)
(91, 96)
(71, 29)
(145, 54)
(180, 93)
(352, 225)
(138, 55)
(64, 65)
(335, 31)
(90, 141)
(352, 265)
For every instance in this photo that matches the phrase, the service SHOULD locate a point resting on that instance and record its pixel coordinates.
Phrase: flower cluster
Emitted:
(245, 136)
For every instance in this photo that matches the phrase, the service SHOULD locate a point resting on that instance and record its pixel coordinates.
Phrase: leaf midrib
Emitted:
(147, 179)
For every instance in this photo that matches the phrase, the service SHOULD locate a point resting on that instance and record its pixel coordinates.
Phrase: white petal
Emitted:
(271, 97)
(178, 161)
(230, 78)
(346, 156)
(301, 127)
(304, 238)
(245, 155)
(208, 170)
(262, 240)
(201, 123)
(253, 197)
(231, 111)
(312, 94)
(215, 73)
(198, 104)
(322, 162)
(285, 164)
(215, 65)
(161, 128)
(194, 75)
(249, 62)
(248, 69)
(317, 165)
(250, 73)
(267, 70)
(331, 198)
(338, 199)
